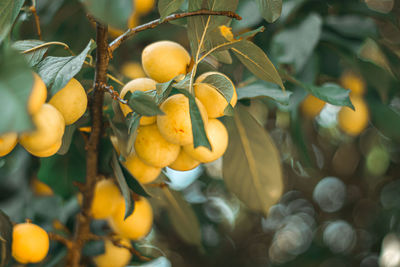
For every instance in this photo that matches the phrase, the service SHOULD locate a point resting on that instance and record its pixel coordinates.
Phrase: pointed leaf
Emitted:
(256, 61)
(9, 10)
(182, 216)
(270, 9)
(295, 45)
(16, 81)
(67, 139)
(251, 165)
(264, 89)
(199, 134)
(6, 229)
(126, 192)
(33, 57)
(222, 84)
(163, 90)
(167, 7)
(133, 183)
(331, 93)
(57, 71)
(143, 103)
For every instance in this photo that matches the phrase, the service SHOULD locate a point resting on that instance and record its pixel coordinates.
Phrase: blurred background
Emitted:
(340, 205)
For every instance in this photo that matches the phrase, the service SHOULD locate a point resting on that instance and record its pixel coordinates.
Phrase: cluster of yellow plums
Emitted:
(352, 122)
(167, 140)
(49, 119)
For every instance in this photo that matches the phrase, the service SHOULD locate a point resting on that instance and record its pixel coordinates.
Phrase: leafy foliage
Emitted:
(33, 57)
(9, 10)
(270, 9)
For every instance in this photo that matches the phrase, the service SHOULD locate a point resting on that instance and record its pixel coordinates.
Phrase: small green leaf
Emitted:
(56, 72)
(184, 83)
(295, 45)
(33, 57)
(143, 103)
(134, 184)
(331, 93)
(167, 7)
(113, 12)
(229, 111)
(93, 248)
(270, 9)
(9, 10)
(222, 84)
(163, 90)
(67, 139)
(60, 172)
(251, 34)
(16, 81)
(126, 192)
(199, 134)
(251, 165)
(263, 89)
(6, 229)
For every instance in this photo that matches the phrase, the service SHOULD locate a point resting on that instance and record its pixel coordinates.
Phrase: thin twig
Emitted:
(59, 238)
(152, 24)
(37, 20)
(47, 44)
(114, 94)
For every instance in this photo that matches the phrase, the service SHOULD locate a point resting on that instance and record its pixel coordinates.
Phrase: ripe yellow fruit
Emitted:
(46, 152)
(132, 70)
(38, 95)
(312, 106)
(164, 60)
(114, 256)
(137, 225)
(30, 243)
(106, 199)
(184, 162)
(218, 137)
(175, 125)
(71, 101)
(143, 6)
(153, 149)
(139, 84)
(7, 143)
(354, 82)
(50, 127)
(143, 172)
(354, 122)
(213, 101)
(40, 188)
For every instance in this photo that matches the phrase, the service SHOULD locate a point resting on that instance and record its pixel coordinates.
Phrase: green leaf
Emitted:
(182, 216)
(106, 150)
(199, 134)
(331, 93)
(199, 25)
(133, 183)
(263, 89)
(16, 81)
(143, 104)
(113, 12)
(9, 10)
(67, 139)
(384, 118)
(159, 262)
(352, 26)
(256, 61)
(295, 45)
(222, 84)
(163, 90)
(167, 7)
(93, 248)
(270, 9)
(6, 229)
(126, 192)
(250, 34)
(33, 57)
(60, 172)
(56, 72)
(251, 165)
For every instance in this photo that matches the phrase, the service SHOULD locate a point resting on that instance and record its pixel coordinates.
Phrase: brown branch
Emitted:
(114, 94)
(37, 21)
(152, 24)
(82, 225)
(61, 239)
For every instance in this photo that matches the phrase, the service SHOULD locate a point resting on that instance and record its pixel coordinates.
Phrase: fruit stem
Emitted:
(83, 219)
